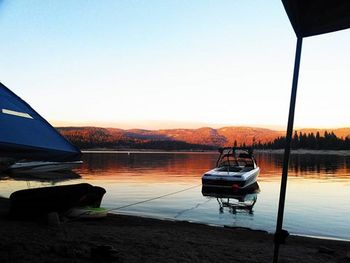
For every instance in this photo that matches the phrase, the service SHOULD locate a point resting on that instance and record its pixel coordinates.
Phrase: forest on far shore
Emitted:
(329, 141)
(97, 138)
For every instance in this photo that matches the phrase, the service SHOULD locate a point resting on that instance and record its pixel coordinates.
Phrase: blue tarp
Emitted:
(24, 134)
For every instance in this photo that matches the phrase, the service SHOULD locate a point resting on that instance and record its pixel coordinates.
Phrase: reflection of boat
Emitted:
(40, 166)
(46, 176)
(233, 200)
(28, 141)
(235, 168)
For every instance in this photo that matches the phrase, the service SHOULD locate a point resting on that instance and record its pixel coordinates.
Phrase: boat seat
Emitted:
(229, 168)
(247, 168)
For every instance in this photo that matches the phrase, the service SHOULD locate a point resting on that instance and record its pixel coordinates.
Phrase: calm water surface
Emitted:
(318, 197)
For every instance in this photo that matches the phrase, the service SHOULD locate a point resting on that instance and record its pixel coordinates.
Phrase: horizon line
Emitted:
(268, 127)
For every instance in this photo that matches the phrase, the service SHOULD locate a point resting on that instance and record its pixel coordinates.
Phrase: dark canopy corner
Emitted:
(314, 17)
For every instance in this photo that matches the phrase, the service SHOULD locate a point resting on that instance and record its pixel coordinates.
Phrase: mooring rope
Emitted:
(180, 213)
(139, 202)
(154, 198)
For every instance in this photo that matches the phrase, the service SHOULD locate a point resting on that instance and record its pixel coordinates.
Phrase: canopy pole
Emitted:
(280, 234)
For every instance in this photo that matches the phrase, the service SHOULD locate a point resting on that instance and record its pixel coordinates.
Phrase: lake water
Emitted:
(317, 203)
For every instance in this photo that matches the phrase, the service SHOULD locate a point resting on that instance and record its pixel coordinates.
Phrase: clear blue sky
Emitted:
(154, 64)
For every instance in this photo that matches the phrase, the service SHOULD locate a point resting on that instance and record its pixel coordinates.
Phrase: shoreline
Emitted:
(141, 239)
(145, 151)
(268, 151)
(308, 151)
(331, 238)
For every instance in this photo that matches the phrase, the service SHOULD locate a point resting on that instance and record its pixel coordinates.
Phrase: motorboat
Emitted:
(236, 169)
(28, 142)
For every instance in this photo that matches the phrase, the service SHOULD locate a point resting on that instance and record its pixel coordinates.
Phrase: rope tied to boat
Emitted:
(137, 203)
(154, 198)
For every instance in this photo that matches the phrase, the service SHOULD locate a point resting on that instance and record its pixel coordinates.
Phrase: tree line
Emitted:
(99, 139)
(84, 143)
(329, 141)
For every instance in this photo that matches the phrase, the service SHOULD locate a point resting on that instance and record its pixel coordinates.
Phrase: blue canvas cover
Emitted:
(24, 134)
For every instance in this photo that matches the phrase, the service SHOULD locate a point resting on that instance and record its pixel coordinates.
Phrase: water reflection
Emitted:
(318, 189)
(175, 163)
(11, 182)
(233, 201)
(54, 177)
(170, 166)
(305, 165)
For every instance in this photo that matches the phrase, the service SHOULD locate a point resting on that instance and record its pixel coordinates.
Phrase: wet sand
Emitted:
(120, 238)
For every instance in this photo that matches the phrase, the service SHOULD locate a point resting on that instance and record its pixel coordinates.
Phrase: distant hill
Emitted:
(202, 138)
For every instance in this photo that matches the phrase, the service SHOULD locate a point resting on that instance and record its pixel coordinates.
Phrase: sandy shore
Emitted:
(120, 238)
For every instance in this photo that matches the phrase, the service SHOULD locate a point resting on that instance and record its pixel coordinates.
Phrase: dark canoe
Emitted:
(38, 202)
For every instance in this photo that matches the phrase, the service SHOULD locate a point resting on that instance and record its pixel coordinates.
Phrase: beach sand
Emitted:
(121, 238)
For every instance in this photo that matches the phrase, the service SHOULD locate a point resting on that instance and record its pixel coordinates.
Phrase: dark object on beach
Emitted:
(5, 163)
(326, 250)
(53, 219)
(104, 252)
(280, 237)
(38, 202)
(347, 256)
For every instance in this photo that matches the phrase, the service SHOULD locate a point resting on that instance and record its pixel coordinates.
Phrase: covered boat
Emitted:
(236, 168)
(28, 141)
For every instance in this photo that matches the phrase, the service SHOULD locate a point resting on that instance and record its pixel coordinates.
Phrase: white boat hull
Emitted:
(233, 180)
(30, 167)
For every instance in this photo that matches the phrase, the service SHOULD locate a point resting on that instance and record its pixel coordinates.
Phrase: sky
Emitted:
(170, 64)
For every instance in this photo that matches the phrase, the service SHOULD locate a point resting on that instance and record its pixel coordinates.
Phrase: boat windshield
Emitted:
(236, 162)
(228, 160)
(232, 159)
